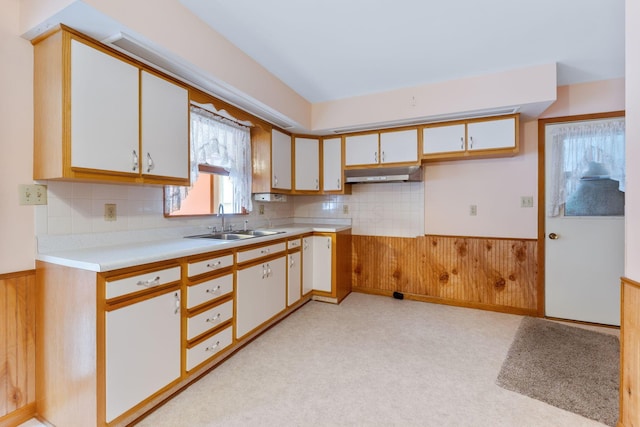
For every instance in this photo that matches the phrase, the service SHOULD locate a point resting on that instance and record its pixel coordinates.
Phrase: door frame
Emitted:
(542, 237)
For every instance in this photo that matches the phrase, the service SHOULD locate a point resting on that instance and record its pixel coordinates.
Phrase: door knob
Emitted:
(553, 236)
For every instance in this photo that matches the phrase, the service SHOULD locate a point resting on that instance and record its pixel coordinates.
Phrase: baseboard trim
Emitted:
(464, 304)
(19, 416)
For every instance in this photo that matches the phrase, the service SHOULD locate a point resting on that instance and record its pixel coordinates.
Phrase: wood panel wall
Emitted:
(17, 347)
(630, 355)
(494, 274)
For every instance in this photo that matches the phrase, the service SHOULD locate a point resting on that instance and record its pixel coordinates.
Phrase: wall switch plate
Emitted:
(345, 209)
(110, 213)
(261, 210)
(32, 194)
(526, 201)
(473, 210)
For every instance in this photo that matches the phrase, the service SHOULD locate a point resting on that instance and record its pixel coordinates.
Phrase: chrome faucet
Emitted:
(221, 213)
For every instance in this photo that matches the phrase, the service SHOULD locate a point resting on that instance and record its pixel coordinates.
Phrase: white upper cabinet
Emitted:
(332, 164)
(443, 139)
(165, 127)
(382, 148)
(280, 160)
(361, 149)
(492, 134)
(307, 164)
(399, 146)
(104, 111)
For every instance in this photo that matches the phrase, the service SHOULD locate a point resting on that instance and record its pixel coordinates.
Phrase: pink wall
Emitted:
(17, 246)
(496, 185)
(632, 71)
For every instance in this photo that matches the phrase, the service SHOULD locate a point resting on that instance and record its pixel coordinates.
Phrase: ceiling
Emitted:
(334, 49)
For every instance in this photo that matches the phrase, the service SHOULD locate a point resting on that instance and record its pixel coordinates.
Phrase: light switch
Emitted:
(473, 210)
(526, 201)
(33, 194)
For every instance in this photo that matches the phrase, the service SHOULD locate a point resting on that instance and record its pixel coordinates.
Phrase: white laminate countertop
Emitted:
(101, 258)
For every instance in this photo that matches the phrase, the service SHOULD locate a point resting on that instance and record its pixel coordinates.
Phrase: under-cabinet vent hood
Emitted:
(373, 175)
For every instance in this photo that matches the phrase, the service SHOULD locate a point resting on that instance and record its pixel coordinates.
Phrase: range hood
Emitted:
(372, 175)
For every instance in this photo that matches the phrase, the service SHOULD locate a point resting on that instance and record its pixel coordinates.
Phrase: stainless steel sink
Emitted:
(221, 236)
(259, 233)
(235, 235)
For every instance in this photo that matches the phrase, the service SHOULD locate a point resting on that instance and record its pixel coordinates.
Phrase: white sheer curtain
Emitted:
(574, 147)
(217, 141)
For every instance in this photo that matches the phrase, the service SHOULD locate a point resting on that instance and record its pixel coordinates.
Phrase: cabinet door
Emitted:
(142, 351)
(307, 265)
(307, 164)
(332, 164)
(280, 160)
(260, 294)
(399, 146)
(104, 111)
(294, 278)
(361, 150)
(165, 128)
(322, 251)
(492, 134)
(443, 139)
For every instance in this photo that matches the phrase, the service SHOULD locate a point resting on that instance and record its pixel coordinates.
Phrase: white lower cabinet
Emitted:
(209, 347)
(142, 351)
(322, 268)
(260, 294)
(294, 277)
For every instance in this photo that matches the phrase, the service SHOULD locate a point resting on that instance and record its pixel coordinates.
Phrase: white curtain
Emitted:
(574, 147)
(217, 141)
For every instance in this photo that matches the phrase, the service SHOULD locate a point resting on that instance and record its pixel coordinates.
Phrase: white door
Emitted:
(165, 127)
(307, 265)
(361, 150)
(322, 251)
(280, 160)
(491, 134)
(307, 164)
(584, 237)
(104, 111)
(294, 278)
(399, 146)
(443, 139)
(332, 164)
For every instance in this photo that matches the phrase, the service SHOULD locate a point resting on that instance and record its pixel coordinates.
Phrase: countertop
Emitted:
(108, 257)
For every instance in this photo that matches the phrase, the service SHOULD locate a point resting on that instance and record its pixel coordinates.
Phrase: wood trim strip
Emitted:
(17, 274)
(525, 239)
(19, 416)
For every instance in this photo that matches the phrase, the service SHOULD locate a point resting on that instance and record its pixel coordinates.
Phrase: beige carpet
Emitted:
(371, 361)
(565, 366)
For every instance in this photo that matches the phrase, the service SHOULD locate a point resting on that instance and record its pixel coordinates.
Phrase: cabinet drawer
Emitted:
(209, 290)
(116, 288)
(260, 252)
(209, 319)
(208, 265)
(208, 348)
(292, 244)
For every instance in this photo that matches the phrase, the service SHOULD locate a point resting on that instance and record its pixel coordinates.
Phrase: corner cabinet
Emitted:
(327, 265)
(495, 137)
(280, 160)
(306, 164)
(102, 116)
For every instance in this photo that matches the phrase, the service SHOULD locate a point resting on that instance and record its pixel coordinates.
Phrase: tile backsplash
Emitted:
(391, 209)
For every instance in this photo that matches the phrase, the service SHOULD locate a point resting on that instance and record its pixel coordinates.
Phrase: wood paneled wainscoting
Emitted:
(17, 347)
(488, 273)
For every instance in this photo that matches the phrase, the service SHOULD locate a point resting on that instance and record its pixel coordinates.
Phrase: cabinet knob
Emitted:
(338, 183)
(215, 291)
(213, 347)
(150, 283)
(471, 142)
(375, 157)
(214, 319)
(135, 160)
(177, 310)
(382, 160)
(462, 142)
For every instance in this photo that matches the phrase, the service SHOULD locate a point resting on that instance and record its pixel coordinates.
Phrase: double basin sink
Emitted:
(235, 235)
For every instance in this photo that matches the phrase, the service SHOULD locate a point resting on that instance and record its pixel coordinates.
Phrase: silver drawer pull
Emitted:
(215, 264)
(215, 291)
(265, 251)
(213, 347)
(150, 283)
(214, 319)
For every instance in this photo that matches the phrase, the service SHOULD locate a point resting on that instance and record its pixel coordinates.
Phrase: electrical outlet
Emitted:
(526, 201)
(33, 194)
(261, 210)
(110, 213)
(473, 210)
(345, 209)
